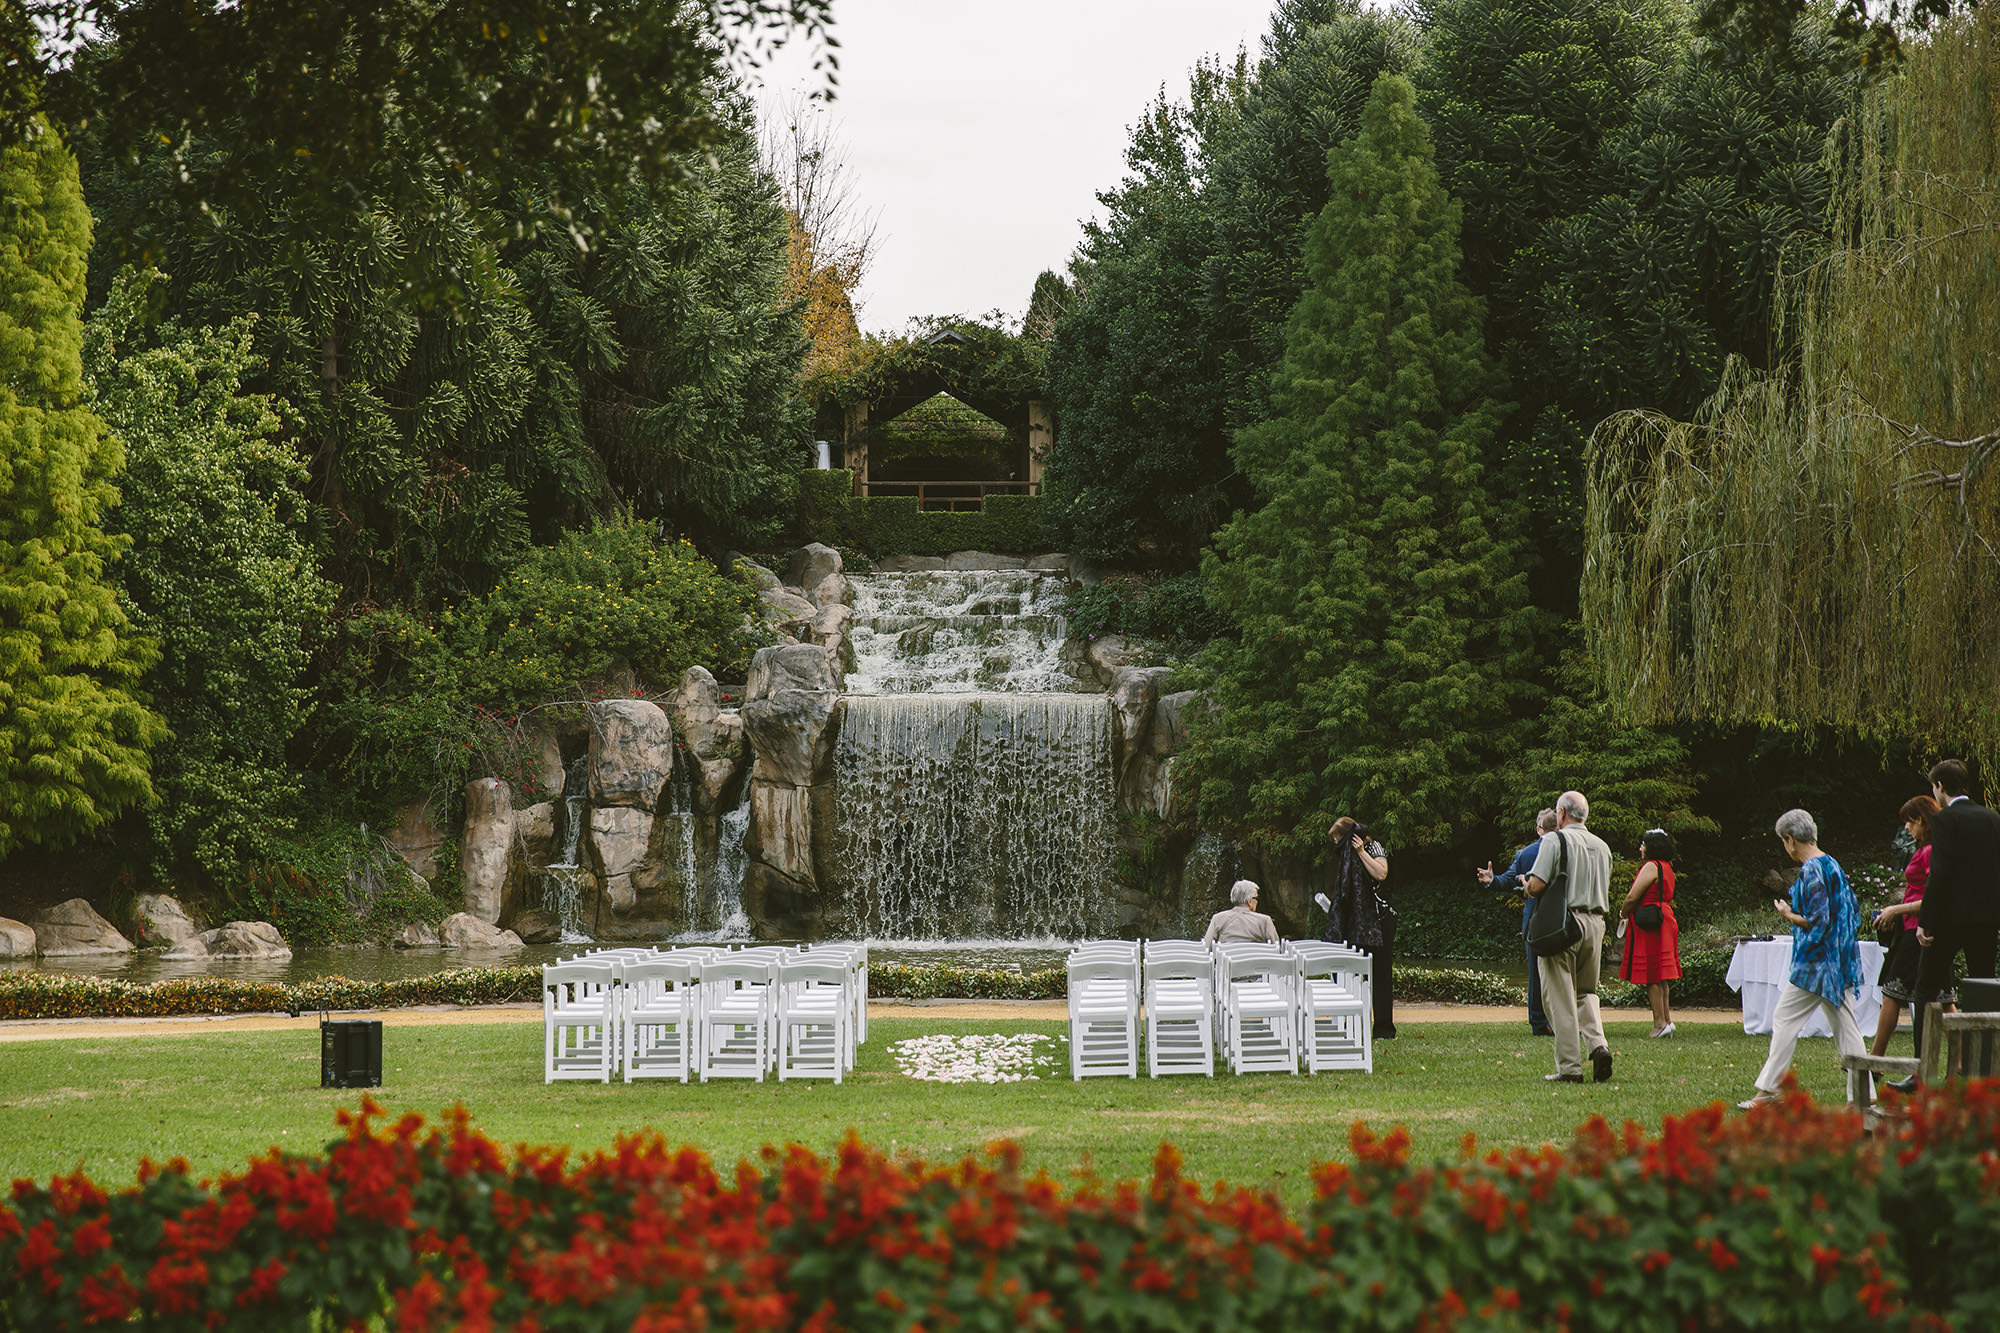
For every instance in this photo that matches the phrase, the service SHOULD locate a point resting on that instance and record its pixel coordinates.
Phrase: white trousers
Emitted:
(1795, 1006)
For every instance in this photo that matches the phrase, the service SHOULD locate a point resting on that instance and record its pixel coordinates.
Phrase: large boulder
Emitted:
(1134, 697)
(829, 591)
(535, 826)
(462, 930)
(485, 853)
(829, 627)
(908, 564)
(416, 935)
(781, 828)
(1056, 562)
(620, 838)
(713, 736)
(418, 837)
(17, 938)
(747, 571)
(782, 606)
(811, 563)
(794, 667)
(538, 927)
(983, 560)
(631, 753)
(73, 929)
(238, 939)
(161, 920)
(792, 734)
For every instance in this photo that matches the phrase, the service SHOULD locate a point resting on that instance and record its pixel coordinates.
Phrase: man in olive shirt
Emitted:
(1569, 979)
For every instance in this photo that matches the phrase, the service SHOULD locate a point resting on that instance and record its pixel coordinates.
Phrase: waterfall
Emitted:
(562, 881)
(974, 815)
(726, 889)
(957, 632)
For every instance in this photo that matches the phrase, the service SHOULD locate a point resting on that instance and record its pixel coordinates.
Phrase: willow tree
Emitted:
(1821, 544)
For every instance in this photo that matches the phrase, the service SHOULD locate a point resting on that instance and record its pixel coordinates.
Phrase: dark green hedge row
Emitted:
(60, 995)
(893, 525)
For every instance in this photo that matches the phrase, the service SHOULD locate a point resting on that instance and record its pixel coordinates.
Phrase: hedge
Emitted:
(1789, 1218)
(61, 995)
(893, 525)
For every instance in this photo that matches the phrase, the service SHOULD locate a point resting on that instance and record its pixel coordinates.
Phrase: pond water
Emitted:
(369, 964)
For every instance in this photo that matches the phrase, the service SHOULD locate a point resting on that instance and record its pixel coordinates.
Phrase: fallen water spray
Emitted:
(562, 881)
(974, 815)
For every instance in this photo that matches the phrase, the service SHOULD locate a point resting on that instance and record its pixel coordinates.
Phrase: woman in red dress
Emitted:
(1653, 948)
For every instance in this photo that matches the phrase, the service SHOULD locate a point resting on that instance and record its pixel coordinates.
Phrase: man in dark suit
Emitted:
(1961, 908)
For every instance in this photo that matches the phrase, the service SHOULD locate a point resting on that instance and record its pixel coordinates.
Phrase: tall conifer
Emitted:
(1385, 630)
(73, 735)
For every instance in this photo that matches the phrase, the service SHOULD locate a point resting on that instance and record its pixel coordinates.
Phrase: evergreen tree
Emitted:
(1141, 458)
(74, 733)
(218, 574)
(1385, 634)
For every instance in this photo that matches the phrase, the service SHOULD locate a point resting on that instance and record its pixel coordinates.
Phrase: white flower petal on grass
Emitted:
(990, 1057)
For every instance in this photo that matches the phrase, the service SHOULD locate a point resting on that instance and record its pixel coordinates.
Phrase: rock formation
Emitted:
(418, 837)
(17, 938)
(790, 718)
(417, 935)
(73, 929)
(538, 928)
(161, 920)
(810, 564)
(462, 930)
(485, 854)
(237, 939)
(713, 736)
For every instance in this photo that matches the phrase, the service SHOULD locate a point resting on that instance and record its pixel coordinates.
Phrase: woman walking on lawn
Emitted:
(1826, 956)
(1899, 964)
(1653, 933)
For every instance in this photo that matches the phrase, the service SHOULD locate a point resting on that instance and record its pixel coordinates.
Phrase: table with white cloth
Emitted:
(1760, 969)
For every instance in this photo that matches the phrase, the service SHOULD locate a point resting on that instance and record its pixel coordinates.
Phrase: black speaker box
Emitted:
(350, 1053)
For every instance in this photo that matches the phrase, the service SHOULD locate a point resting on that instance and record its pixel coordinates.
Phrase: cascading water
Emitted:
(975, 778)
(562, 881)
(957, 632)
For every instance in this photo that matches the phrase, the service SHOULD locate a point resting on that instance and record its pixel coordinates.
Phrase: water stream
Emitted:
(956, 632)
(562, 881)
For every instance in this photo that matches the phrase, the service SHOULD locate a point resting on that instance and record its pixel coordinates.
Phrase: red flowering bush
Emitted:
(1788, 1218)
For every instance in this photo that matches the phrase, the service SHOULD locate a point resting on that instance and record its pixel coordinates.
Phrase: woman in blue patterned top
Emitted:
(1826, 954)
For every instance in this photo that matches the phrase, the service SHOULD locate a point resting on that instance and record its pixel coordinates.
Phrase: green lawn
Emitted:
(216, 1099)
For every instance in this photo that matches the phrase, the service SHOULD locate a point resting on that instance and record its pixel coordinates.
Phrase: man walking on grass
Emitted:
(1569, 979)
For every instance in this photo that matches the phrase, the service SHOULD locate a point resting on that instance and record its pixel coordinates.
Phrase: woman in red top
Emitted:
(1899, 964)
(1653, 953)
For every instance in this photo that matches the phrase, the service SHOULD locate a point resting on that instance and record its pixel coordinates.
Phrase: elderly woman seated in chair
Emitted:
(1242, 923)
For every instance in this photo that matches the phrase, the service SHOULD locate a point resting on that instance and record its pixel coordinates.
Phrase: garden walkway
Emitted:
(1047, 1011)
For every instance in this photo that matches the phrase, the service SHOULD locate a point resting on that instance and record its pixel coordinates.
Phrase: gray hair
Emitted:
(1242, 891)
(1545, 822)
(1798, 826)
(1573, 804)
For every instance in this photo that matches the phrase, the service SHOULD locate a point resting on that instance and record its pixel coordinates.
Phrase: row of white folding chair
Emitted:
(584, 999)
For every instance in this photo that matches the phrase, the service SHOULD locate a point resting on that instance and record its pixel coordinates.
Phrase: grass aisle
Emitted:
(216, 1099)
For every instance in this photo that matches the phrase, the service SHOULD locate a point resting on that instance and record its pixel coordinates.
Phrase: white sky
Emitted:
(980, 133)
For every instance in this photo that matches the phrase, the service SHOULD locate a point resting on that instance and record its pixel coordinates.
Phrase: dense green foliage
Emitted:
(1175, 608)
(1385, 633)
(74, 730)
(830, 512)
(217, 574)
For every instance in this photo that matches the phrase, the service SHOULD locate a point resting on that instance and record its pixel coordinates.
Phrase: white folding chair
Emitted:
(815, 1008)
(579, 1021)
(662, 1008)
(1180, 1014)
(1104, 1017)
(855, 956)
(1335, 1019)
(1224, 997)
(736, 1020)
(1263, 1013)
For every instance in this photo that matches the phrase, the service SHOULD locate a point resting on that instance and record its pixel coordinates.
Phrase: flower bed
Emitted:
(1789, 1218)
(62, 995)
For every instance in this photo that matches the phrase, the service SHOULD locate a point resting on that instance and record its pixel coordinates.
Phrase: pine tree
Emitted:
(73, 731)
(1385, 636)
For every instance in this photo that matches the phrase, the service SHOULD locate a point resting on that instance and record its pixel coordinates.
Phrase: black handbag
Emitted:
(1554, 929)
(1648, 916)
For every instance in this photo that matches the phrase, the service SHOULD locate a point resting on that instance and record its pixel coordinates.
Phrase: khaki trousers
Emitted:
(1569, 995)
(1795, 1006)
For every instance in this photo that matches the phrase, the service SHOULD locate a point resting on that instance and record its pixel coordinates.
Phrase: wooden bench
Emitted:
(1971, 1044)
(1861, 1072)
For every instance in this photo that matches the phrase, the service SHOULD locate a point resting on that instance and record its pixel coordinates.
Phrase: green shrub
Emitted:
(893, 524)
(1173, 609)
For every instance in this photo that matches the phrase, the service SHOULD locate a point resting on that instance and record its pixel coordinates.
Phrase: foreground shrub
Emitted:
(1788, 1218)
(63, 995)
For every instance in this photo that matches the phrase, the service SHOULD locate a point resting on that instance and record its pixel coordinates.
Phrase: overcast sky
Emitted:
(980, 132)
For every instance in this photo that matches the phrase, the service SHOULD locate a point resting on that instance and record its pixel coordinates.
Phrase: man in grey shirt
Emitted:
(1569, 979)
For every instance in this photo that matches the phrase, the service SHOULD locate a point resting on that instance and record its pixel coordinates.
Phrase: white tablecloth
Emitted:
(1760, 968)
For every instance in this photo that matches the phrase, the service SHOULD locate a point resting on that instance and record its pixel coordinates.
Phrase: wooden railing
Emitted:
(950, 495)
